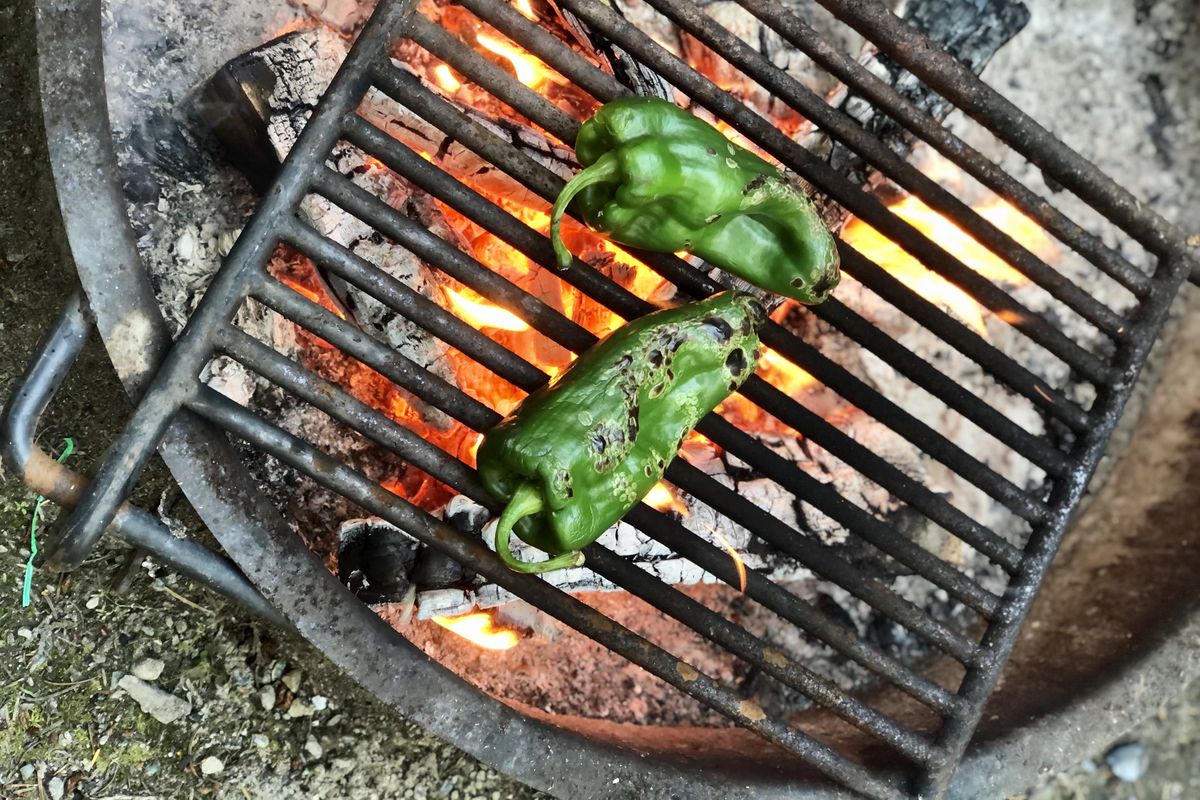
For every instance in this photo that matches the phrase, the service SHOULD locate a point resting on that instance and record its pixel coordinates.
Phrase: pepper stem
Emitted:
(526, 501)
(606, 170)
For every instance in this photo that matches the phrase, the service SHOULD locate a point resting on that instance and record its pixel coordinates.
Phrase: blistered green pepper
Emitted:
(580, 452)
(662, 179)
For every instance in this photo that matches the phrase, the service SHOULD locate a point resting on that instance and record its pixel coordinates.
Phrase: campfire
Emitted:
(318, 49)
(860, 529)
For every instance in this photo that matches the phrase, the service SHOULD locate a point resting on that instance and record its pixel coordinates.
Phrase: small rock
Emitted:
(27, 772)
(299, 708)
(148, 669)
(341, 767)
(1128, 761)
(260, 741)
(320, 702)
(211, 766)
(291, 679)
(266, 696)
(163, 706)
(55, 788)
(313, 747)
(92, 603)
(152, 768)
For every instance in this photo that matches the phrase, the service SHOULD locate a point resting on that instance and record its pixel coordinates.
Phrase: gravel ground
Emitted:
(251, 713)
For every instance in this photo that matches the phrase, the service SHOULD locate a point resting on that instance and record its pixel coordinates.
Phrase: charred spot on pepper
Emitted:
(825, 284)
(754, 184)
(736, 362)
(718, 328)
(756, 313)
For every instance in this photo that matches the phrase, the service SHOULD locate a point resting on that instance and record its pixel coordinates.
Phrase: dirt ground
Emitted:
(267, 718)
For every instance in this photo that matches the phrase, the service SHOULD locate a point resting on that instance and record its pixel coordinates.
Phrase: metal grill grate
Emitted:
(931, 759)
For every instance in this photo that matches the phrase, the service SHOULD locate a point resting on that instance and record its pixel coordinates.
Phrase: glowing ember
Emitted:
(908, 270)
(479, 630)
(445, 78)
(662, 498)
(737, 560)
(482, 314)
(529, 70)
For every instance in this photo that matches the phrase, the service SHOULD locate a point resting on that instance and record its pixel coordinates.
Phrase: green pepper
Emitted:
(661, 179)
(581, 451)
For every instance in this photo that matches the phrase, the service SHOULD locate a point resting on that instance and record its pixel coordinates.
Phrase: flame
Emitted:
(526, 8)
(530, 71)
(445, 78)
(483, 314)
(478, 629)
(783, 374)
(662, 498)
(874, 245)
(737, 560)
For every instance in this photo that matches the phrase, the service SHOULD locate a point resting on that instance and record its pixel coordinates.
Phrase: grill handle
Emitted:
(48, 368)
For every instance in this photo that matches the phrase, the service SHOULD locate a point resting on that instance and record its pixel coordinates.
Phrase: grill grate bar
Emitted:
(604, 87)
(534, 245)
(799, 612)
(338, 477)
(366, 206)
(998, 640)
(851, 197)
(448, 48)
(412, 305)
(845, 130)
(963, 339)
(914, 430)
(371, 423)
(436, 462)
(818, 557)
(866, 526)
(441, 43)
(405, 89)
(797, 32)
(754, 650)
(1036, 448)
(949, 78)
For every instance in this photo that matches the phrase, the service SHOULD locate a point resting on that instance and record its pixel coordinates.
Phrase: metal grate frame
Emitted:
(176, 388)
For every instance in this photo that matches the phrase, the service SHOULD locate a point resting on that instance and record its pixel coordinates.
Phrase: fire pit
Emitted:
(861, 531)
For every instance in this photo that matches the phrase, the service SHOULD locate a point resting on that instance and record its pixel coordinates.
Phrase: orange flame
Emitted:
(737, 560)
(874, 245)
(482, 314)
(320, 298)
(445, 78)
(662, 498)
(479, 629)
(530, 71)
(526, 8)
(783, 374)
